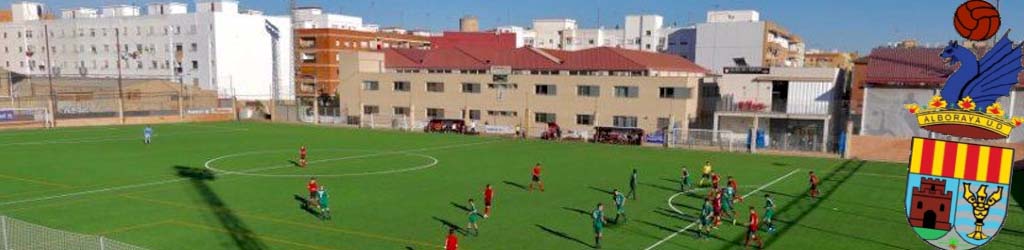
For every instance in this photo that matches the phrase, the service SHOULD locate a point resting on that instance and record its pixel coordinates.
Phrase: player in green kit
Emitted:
(325, 212)
(704, 232)
(620, 201)
(684, 180)
(727, 205)
(598, 216)
(769, 212)
(474, 216)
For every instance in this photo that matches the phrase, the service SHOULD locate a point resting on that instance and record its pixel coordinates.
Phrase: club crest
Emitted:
(957, 193)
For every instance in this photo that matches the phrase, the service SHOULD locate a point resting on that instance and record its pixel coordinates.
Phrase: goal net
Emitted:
(25, 117)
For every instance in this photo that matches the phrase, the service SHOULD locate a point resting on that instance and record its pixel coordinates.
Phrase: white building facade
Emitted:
(315, 18)
(741, 34)
(640, 32)
(215, 47)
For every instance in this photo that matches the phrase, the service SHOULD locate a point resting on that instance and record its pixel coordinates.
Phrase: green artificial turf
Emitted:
(398, 190)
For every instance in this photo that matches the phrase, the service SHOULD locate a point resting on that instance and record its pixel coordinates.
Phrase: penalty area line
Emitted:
(762, 187)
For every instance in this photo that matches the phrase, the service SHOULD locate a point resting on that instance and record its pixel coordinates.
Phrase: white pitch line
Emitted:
(106, 138)
(762, 187)
(4, 204)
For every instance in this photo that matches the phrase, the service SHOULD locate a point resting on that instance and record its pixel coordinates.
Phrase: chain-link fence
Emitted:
(707, 139)
(20, 235)
(70, 100)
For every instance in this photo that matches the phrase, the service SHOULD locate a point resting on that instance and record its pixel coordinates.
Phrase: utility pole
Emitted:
(49, 78)
(120, 90)
(172, 50)
(316, 101)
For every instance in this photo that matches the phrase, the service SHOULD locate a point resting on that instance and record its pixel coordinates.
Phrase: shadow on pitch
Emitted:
(660, 187)
(606, 191)
(460, 206)
(446, 224)
(295, 163)
(304, 205)
(577, 210)
(847, 170)
(562, 235)
(243, 237)
(517, 185)
(663, 228)
(1017, 191)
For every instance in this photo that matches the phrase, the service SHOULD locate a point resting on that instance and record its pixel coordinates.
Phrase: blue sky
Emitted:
(857, 25)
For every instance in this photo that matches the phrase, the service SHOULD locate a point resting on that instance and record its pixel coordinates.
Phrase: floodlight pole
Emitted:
(316, 101)
(120, 90)
(49, 77)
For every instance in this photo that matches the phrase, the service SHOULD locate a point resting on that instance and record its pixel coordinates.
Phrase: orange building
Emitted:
(317, 53)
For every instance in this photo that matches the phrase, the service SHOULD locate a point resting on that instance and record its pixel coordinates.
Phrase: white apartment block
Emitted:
(640, 32)
(315, 18)
(740, 34)
(216, 47)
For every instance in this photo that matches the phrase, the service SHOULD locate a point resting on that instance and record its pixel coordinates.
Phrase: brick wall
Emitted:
(891, 149)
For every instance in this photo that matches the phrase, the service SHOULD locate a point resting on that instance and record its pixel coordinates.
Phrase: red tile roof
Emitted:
(909, 66)
(602, 58)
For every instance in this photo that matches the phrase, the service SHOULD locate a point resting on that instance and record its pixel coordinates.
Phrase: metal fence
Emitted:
(71, 99)
(20, 235)
(707, 139)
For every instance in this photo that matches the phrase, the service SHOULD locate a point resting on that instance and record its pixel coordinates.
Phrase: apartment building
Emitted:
(215, 48)
(528, 87)
(734, 37)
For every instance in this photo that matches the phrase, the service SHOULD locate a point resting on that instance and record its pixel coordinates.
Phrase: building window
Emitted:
(502, 113)
(545, 89)
(434, 113)
(371, 110)
(544, 117)
(195, 65)
(673, 92)
(627, 91)
(371, 85)
(624, 121)
(401, 111)
(402, 86)
(308, 57)
(195, 47)
(474, 114)
(435, 87)
(584, 119)
(307, 42)
(588, 90)
(470, 87)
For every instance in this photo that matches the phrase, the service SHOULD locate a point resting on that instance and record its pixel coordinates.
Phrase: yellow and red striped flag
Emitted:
(961, 160)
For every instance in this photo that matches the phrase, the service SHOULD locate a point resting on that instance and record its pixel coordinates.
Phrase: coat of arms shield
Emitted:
(957, 193)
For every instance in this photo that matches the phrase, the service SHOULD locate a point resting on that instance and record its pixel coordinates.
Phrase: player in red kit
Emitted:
(814, 185)
(716, 204)
(451, 242)
(714, 180)
(313, 187)
(752, 231)
(536, 178)
(302, 156)
(735, 190)
(488, 195)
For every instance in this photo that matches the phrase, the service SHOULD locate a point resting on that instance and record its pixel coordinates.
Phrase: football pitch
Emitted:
(400, 190)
